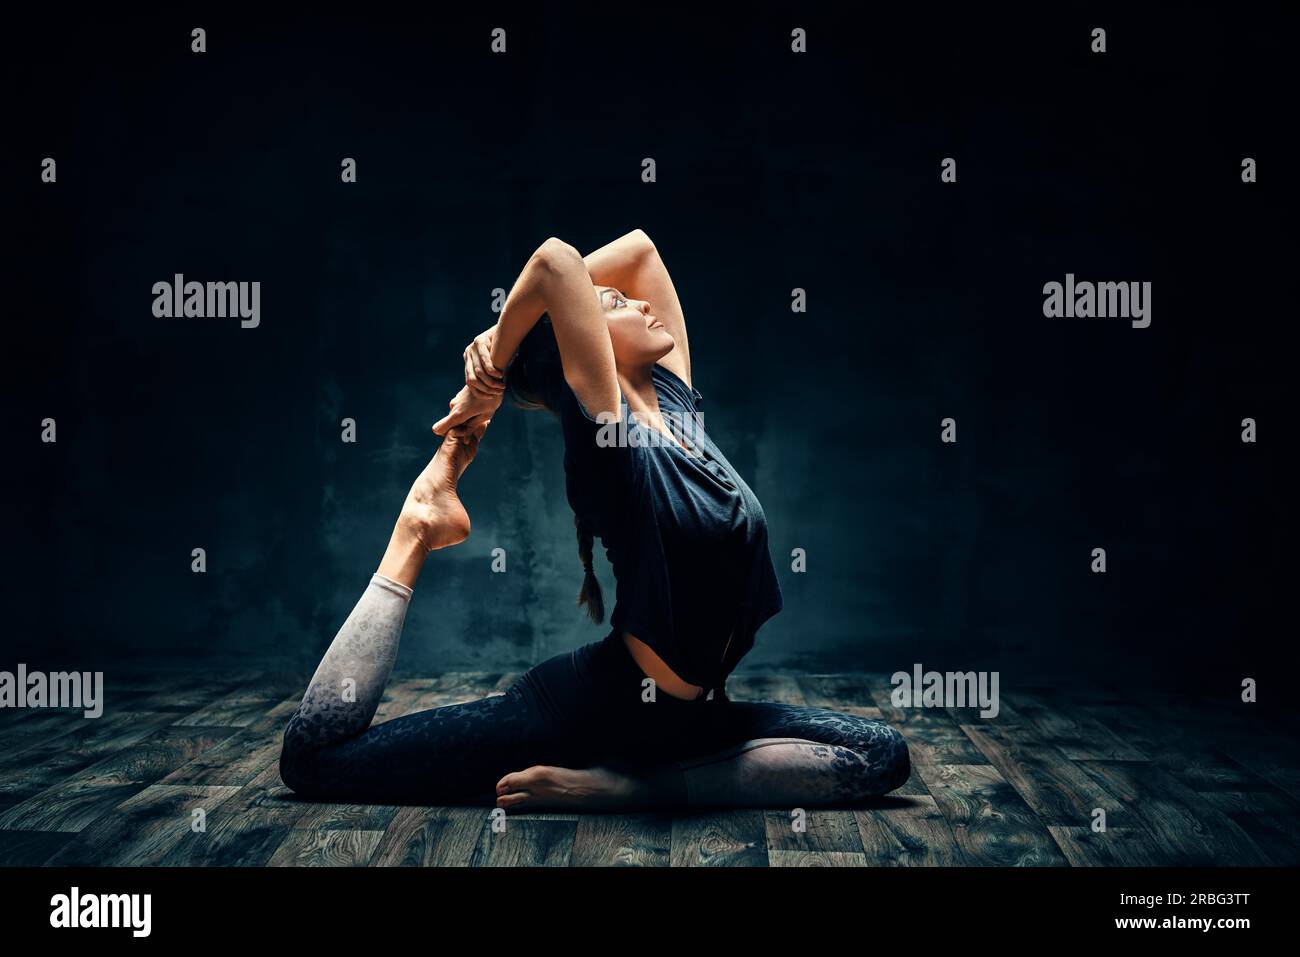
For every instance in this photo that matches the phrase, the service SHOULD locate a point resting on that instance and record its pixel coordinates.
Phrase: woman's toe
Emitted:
(515, 781)
(514, 799)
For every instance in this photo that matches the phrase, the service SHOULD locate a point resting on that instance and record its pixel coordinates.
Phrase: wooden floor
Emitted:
(1183, 781)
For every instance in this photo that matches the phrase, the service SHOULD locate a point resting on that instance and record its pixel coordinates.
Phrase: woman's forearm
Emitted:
(616, 263)
(523, 307)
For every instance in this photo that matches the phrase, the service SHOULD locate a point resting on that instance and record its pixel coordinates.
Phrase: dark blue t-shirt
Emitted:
(685, 535)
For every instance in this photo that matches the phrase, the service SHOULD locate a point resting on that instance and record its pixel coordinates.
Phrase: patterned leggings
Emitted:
(578, 709)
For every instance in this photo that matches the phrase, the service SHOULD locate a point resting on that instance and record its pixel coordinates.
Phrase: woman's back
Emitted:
(686, 536)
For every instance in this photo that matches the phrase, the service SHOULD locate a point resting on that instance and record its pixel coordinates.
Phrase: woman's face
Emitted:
(639, 339)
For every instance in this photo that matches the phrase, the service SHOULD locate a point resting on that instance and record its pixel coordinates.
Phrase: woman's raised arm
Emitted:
(632, 264)
(555, 281)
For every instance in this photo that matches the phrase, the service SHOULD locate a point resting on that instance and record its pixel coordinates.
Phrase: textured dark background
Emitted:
(774, 171)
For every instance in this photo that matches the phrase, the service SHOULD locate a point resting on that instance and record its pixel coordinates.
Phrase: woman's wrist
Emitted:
(505, 362)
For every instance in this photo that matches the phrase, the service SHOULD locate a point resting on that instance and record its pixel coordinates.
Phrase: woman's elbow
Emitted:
(642, 239)
(555, 252)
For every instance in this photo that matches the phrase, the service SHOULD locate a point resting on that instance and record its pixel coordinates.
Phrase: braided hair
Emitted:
(534, 380)
(590, 594)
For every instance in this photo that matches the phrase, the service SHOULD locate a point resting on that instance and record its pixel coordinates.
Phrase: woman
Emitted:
(639, 720)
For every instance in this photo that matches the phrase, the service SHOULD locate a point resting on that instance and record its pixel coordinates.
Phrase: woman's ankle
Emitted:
(404, 557)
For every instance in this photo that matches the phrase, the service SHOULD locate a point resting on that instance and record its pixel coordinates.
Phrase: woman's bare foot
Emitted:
(543, 786)
(433, 513)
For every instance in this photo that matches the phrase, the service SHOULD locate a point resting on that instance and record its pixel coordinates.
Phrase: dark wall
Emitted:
(775, 171)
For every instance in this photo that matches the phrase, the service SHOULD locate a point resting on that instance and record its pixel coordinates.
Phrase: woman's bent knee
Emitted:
(884, 763)
(887, 762)
(296, 761)
(898, 760)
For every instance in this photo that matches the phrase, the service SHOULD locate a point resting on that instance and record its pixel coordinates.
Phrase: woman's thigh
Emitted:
(727, 724)
(452, 754)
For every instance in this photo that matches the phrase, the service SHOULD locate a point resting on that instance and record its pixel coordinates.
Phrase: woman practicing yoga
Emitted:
(641, 719)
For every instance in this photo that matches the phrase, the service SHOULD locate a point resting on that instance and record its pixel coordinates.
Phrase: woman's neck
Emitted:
(639, 389)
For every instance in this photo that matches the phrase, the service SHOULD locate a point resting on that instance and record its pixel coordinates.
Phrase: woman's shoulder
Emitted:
(593, 441)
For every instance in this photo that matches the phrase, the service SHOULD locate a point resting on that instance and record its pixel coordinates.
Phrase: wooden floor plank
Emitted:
(326, 847)
(1179, 750)
(722, 839)
(143, 829)
(816, 859)
(243, 755)
(990, 821)
(1114, 847)
(246, 829)
(79, 799)
(526, 842)
(234, 840)
(267, 798)
(348, 817)
(31, 848)
(1055, 789)
(1188, 829)
(819, 831)
(38, 725)
(781, 689)
(68, 806)
(45, 763)
(913, 832)
(622, 840)
(829, 691)
(456, 687)
(1075, 733)
(1253, 742)
(238, 709)
(430, 837)
(1272, 820)
(402, 697)
(155, 756)
(838, 692)
(181, 695)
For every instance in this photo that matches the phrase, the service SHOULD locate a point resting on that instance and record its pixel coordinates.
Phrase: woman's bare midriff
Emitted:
(654, 667)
